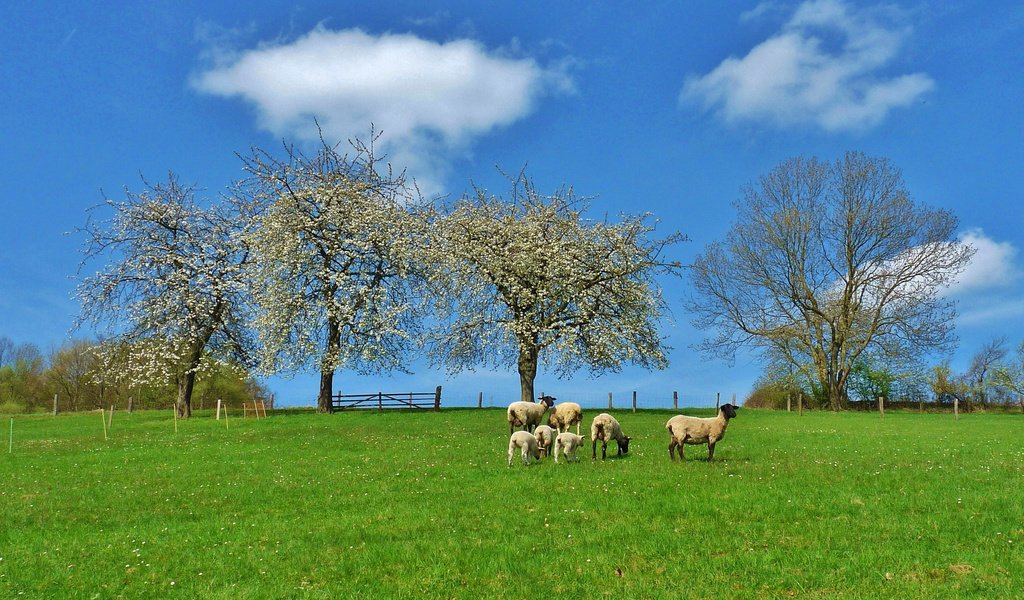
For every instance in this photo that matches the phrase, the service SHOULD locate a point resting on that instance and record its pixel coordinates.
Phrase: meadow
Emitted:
(423, 505)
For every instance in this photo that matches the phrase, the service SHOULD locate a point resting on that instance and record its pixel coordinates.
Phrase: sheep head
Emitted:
(729, 411)
(549, 401)
(623, 444)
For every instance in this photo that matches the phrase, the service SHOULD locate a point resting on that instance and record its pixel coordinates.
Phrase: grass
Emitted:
(412, 505)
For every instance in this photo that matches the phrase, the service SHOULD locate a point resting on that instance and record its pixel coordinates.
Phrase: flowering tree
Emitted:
(334, 262)
(172, 293)
(527, 279)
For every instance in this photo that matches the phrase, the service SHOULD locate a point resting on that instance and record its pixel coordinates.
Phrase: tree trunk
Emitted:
(323, 399)
(528, 354)
(184, 405)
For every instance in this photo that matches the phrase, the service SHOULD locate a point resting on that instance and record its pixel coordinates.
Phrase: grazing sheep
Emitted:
(527, 415)
(545, 437)
(694, 430)
(526, 442)
(604, 427)
(564, 415)
(567, 442)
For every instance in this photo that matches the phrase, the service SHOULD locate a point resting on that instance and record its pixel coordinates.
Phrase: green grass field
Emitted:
(423, 505)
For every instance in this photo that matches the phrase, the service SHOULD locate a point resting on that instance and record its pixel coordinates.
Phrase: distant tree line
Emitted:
(994, 377)
(82, 378)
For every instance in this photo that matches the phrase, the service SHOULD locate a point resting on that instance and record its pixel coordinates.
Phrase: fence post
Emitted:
(55, 405)
(734, 399)
(800, 403)
(675, 400)
(718, 398)
(437, 398)
(634, 400)
(130, 404)
(881, 406)
(789, 402)
(480, 400)
(609, 400)
(956, 409)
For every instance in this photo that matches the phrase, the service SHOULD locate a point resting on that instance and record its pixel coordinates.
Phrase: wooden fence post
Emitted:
(634, 400)
(800, 403)
(110, 419)
(718, 399)
(130, 400)
(789, 402)
(437, 398)
(881, 406)
(218, 409)
(675, 400)
(734, 399)
(55, 405)
(609, 400)
(480, 400)
(956, 409)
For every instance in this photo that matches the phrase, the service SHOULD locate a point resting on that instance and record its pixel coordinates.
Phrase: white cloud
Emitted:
(992, 266)
(822, 68)
(430, 99)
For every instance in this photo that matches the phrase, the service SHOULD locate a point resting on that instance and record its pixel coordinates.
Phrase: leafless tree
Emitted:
(825, 262)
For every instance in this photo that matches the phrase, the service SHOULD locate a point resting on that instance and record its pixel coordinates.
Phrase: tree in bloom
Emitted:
(528, 280)
(172, 292)
(333, 270)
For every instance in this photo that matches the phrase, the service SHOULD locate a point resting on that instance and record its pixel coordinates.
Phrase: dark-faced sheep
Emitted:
(527, 415)
(694, 430)
(604, 427)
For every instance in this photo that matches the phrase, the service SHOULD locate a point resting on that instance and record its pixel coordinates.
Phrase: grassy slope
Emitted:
(423, 505)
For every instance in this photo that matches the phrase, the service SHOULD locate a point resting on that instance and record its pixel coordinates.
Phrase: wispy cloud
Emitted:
(430, 99)
(823, 68)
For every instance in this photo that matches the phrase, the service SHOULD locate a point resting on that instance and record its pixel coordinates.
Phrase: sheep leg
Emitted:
(604, 449)
(526, 456)
(511, 452)
(672, 450)
(711, 451)
(594, 448)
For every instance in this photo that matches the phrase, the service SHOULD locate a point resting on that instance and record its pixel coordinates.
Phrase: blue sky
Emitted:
(668, 107)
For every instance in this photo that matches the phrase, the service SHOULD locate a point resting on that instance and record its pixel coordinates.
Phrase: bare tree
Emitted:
(334, 244)
(1010, 375)
(172, 291)
(825, 262)
(982, 363)
(527, 279)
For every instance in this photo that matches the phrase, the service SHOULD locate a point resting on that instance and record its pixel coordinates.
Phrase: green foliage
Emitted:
(423, 505)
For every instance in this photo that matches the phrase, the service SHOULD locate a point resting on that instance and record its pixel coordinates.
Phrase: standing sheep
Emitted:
(694, 430)
(564, 415)
(567, 442)
(545, 438)
(527, 443)
(527, 415)
(604, 427)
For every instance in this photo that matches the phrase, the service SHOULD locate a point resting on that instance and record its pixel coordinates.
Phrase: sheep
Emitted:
(564, 415)
(604, 427)
(693, 430)
(527, 415)
(567, 442)
(545, 437)
(527, 443)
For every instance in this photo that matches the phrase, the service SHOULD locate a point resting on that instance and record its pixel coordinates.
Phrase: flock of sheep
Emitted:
(536, 440)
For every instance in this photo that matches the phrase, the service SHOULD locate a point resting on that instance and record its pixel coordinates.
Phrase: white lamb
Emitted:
(565, 415)
(545, 437)
(527, 415)
(526, 442)
(567, 442)
(695, 430)
(604, 427)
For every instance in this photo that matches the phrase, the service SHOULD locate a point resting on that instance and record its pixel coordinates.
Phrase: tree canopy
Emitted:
(827, 261)
(528, 279)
